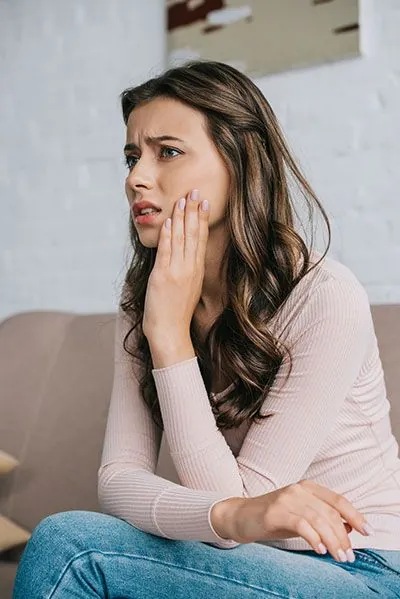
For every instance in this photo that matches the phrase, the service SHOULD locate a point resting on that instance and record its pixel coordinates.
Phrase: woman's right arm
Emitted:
(128, 487)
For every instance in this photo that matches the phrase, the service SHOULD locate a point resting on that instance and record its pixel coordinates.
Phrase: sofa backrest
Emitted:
(387, 328)
(56, 373)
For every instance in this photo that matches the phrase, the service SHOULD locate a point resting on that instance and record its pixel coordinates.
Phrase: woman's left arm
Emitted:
(328, 342)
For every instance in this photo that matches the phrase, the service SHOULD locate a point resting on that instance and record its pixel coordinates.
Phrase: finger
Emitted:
(178, 233)
(192, 227)
(204, 215)
(329, 514)
(339, 529)
(305, 530)
(331, 532)
(163, 255)
(348, 512)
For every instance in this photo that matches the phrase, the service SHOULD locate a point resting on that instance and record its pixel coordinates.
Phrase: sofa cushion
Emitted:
(11, 534)
(7, 462)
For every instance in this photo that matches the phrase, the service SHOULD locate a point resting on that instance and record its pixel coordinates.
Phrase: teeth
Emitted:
(148, 210)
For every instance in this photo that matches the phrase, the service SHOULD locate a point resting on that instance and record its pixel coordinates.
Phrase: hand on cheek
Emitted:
(175, 283)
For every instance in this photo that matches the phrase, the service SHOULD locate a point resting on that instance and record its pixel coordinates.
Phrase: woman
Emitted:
(257, 358)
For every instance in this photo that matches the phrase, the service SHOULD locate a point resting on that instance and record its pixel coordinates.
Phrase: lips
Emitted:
(147, 219)
(139, 206)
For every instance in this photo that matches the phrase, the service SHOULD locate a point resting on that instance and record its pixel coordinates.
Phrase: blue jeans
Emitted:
(82, 554)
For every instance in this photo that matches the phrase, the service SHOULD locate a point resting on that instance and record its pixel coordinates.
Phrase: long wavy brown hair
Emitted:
(264, 250)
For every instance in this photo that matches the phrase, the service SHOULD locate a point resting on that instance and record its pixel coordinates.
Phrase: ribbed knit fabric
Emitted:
(330, 424)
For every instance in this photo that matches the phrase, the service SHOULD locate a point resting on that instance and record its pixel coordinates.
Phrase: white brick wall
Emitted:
(63, 226)
(343, 122)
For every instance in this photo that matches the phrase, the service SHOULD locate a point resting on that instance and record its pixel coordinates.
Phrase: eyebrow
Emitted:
(152, 140)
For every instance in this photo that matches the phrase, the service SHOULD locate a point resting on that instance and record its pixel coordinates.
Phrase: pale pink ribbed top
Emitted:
(330, 423)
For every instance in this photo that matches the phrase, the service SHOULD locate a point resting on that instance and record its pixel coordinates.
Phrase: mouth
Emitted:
(147, 219)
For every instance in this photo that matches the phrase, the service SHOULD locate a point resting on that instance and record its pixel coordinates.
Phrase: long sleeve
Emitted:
(128, 487)
(328, 342)
(328, 339)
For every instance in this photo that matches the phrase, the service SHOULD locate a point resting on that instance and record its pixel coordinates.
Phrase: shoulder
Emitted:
(329, 295)
(336, 283)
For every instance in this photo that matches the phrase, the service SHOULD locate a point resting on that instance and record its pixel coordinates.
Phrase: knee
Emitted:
(81, 528)
(60, 521)
(65, 526)
(67, 534)
(55, 541)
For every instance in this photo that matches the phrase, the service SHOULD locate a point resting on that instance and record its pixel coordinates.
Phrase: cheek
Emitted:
(176, 182)
(217, 190)
(210, 177)
(218, 208)
(213, 175)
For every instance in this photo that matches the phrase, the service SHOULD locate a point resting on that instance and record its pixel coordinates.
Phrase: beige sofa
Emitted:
(56, 372)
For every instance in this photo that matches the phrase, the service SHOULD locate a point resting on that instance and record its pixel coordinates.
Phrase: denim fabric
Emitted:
(81, 554)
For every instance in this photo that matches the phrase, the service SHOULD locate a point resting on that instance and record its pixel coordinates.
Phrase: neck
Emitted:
(213, 298)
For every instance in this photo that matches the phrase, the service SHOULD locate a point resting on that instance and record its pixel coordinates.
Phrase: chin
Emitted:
(149, 241)
(150, 244)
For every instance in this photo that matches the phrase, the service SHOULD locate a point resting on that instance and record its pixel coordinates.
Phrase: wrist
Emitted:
(170, 349)
(223, 517)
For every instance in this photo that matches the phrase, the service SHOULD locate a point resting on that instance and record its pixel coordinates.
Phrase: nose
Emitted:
(140, 176)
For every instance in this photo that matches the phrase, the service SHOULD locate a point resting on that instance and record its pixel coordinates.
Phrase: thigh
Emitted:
(114, 559)
(382, 566)
(378, 568)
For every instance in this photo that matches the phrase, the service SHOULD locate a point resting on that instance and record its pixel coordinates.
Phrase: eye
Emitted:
(165, 149)
(130, 161)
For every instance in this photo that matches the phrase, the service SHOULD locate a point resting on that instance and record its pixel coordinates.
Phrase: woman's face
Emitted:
(162, 171)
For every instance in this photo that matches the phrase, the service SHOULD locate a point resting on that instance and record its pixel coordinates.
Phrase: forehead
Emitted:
(162, 114)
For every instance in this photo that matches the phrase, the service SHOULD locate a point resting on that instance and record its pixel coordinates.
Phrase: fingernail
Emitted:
(204, 205)
(350, 555)
(182, 203)
(194, 194)
(367, 528)
(322, 548)
(342, 555)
